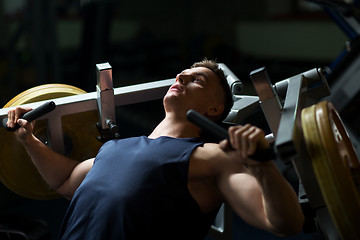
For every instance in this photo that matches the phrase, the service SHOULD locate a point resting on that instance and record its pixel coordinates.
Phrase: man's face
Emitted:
(195, 88)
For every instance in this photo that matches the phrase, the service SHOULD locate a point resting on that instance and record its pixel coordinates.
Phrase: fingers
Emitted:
(255, 138)
(15, 114)
(19, 112)
(245, 139)
(11, 119)
(25, 130)
(224, 144)
(25, 126)
(23, 123)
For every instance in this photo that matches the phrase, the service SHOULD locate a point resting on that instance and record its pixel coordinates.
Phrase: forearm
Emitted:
(54, 168)
(281, 205)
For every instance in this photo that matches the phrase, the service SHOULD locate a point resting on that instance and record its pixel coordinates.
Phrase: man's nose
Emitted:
(183, 78)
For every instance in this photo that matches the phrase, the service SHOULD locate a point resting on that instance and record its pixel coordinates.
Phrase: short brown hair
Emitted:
(214, 67)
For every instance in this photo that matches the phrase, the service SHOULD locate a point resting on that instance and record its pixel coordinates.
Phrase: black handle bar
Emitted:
(32, 115)
(221, 133)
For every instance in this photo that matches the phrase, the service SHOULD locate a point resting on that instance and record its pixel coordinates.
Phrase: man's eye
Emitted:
(197, 80)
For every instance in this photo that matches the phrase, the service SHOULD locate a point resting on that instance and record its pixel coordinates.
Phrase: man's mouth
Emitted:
(176, 88)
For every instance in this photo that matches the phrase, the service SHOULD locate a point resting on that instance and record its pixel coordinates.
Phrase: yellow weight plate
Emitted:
(335, 165)
(16, 169)
(44, 92)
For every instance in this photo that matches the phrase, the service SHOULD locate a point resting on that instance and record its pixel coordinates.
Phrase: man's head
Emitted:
(203, 88)
(224, 86)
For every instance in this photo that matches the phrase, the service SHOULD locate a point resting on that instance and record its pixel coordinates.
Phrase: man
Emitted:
(170, 184)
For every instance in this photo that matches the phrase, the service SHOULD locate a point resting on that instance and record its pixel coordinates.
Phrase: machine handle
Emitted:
(221, 133)
(32, 115)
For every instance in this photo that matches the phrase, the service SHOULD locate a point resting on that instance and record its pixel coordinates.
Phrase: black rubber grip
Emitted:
(32, 115)
(221, 133)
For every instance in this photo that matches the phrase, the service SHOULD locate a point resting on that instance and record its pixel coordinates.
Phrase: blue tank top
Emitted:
(137, 189)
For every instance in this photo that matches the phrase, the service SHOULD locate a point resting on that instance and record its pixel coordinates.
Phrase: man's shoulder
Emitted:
(209, 152)
(215, 157)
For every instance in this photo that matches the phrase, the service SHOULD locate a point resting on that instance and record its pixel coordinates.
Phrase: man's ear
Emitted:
(216, 110)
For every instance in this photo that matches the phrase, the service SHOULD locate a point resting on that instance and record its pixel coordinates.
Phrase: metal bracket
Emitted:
(301, 90)
(269, 100)
(106, 103)
(234, 83)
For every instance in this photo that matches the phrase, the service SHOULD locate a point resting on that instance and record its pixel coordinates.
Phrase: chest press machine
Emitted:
(307, 134)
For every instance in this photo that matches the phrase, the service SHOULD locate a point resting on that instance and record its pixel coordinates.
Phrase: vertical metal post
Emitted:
(105, 95)
(269, 100)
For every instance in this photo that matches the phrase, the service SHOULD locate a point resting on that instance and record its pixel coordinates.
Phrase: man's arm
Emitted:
(258, 193)
(61, 173)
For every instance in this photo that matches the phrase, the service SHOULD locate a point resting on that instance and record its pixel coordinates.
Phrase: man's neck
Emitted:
(177, 128)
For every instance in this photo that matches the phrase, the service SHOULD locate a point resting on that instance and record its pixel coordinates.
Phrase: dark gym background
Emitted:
(60, 41)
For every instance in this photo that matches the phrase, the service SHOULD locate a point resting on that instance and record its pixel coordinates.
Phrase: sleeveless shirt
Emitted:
(137, 189)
